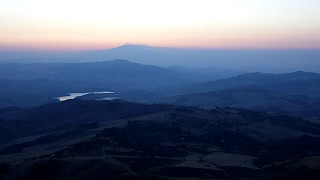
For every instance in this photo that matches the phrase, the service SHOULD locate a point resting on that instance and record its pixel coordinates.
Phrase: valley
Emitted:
(86, 120)
(159, 90)
(294, 93)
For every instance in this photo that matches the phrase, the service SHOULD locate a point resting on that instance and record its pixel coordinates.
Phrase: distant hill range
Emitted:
(295, 92)
(39, 83)
(112, 74)
(32, 84)
(276, 61)
(29, 84)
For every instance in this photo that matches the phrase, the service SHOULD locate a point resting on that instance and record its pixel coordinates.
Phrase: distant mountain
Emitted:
(278, 61)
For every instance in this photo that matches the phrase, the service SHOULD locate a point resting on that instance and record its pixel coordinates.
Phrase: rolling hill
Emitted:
(32, 84)
(80, 139)
(295, 93)
(277, 61)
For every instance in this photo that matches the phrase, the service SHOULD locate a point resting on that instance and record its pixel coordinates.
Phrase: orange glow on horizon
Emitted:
(218, 24)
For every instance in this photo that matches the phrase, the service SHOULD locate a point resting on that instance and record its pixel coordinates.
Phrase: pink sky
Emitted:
(219, 24)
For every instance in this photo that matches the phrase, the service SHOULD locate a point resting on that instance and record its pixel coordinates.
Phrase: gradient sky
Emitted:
(99, 24)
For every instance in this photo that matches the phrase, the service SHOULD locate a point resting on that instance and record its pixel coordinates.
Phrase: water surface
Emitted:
(75, 95)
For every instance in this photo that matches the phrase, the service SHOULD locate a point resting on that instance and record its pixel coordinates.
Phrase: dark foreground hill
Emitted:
(121, 140)
(59, 116)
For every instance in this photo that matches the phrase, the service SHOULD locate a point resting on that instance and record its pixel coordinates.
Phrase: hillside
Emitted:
(28, 85)
(294, 93)
(121, 140)
(295, 82)
(56, 116)
(112, 74)
(32, 84)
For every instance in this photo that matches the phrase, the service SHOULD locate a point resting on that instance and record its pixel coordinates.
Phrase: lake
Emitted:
(75, 95)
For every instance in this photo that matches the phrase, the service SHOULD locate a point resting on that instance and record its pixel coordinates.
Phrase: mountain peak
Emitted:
(132, 46)
(121, 61)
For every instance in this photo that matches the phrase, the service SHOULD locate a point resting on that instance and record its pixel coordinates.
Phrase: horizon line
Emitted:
(36, 49)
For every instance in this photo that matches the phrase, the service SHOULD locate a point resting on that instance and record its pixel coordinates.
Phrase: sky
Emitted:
(103, 24)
